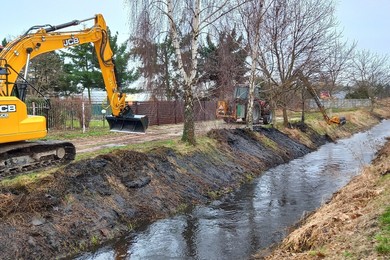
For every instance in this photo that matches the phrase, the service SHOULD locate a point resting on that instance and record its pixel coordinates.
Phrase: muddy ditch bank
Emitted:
(93, 201)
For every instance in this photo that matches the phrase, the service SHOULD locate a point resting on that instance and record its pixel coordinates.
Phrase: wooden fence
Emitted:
(69, 113)
(172, 112)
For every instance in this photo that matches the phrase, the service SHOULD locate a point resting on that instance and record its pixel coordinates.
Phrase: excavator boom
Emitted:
(333, 120)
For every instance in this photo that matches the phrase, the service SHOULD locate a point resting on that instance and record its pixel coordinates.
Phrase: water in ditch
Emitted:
(260, 213)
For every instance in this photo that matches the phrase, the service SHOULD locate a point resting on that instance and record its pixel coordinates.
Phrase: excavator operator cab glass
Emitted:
(20, 90)
(3, 71)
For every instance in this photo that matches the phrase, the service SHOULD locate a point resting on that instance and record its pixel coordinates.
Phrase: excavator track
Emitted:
(23, 157)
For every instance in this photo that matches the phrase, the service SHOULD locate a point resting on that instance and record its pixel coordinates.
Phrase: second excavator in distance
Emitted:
(338, 120)
(19, 149)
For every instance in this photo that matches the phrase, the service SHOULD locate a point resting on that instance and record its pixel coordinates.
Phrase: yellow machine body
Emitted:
(16, 125)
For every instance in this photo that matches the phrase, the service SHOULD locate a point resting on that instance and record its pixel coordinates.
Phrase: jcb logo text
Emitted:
(71, 41)
(7, 108)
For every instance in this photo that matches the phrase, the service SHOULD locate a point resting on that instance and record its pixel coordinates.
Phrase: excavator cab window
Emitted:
(3, 71)
(20, 90)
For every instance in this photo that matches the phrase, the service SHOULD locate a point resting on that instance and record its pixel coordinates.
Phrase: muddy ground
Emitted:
(92, 201)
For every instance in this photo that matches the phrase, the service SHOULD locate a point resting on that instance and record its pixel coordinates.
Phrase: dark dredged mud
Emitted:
(92, 201)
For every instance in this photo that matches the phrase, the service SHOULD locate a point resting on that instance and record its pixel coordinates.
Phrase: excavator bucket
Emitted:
(128, 123)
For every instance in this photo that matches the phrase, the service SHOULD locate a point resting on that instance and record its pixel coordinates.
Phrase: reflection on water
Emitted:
(257, 215)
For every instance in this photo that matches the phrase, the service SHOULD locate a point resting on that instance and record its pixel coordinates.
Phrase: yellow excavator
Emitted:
(19, 149)
(330, 120)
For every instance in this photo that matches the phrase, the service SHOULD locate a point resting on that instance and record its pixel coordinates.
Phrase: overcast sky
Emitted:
(19, 16)
(367, 22)
(364, 21)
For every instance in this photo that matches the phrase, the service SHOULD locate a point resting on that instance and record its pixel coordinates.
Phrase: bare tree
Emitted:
(334, 70)
(157, 62)
(179, 19)
(296, 35)
(223, 62)
(370, 72)
(145, 48)
(252, 17)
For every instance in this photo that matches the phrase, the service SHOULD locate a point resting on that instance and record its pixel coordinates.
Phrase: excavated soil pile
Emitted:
(91, 201)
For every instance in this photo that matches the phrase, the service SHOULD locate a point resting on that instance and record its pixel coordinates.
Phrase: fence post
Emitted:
(174, 110)
(83, 115)
(157, 112)
(72, 117)
(204, 110)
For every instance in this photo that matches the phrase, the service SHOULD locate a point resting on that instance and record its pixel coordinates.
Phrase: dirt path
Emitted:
(154, 133)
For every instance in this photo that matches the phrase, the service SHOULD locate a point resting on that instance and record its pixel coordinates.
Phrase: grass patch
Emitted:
(95, 240)
(25, 179)
(78, 133)
(320, 253)
(181, 208)
(267, 142)
(216, 194)
(249, 176)
(347, 254)
(204, 144)
(383, 237)
(385, 219)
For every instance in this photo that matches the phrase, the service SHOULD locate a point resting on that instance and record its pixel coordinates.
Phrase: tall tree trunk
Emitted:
(189, 78)
(255, 21)
(285, 99)
(285, 117)
(249, 115)
(189, 117)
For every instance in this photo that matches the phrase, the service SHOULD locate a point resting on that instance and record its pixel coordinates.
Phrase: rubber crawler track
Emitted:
(28, 151)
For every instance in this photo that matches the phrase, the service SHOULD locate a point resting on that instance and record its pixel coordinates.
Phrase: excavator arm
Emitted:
(19, 52)
(310, 89)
